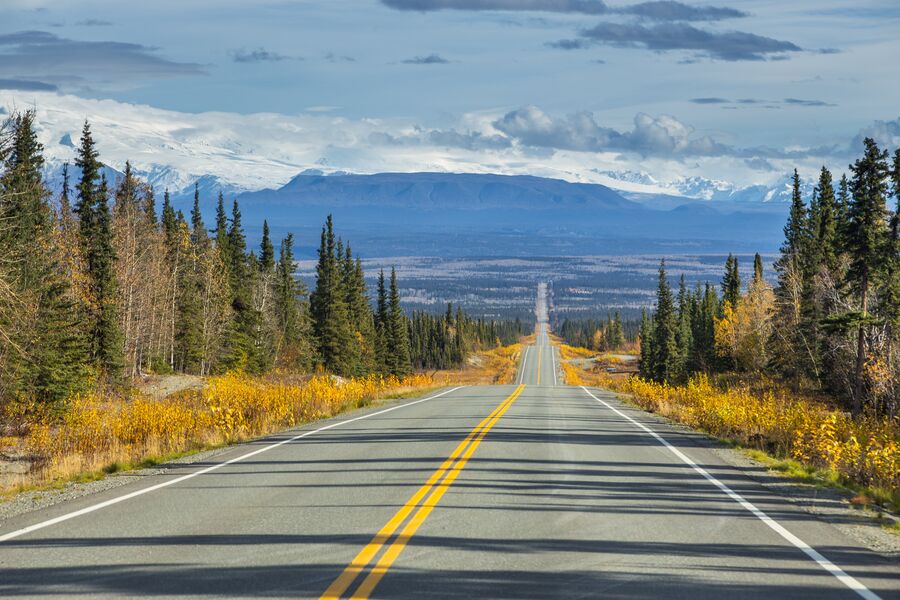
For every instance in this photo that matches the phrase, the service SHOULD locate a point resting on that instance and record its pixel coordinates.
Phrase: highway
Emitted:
(530, 490)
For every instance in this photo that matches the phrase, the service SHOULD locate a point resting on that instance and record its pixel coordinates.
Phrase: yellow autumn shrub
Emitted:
(865, 450)
(97, 431)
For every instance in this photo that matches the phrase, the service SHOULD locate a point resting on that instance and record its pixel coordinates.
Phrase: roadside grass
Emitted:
(102, 435)
(798, 438)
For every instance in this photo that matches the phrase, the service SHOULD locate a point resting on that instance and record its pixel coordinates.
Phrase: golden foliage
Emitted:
(98, 431)
(865, 450)
(742, 332)
(495, 366)
(567, 352)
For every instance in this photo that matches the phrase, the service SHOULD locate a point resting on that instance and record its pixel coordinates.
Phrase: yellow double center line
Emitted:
(431, 492)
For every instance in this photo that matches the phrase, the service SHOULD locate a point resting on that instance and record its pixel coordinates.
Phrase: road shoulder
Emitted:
(826, 504)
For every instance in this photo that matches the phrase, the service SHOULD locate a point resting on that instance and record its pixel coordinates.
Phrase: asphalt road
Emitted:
(522, 491)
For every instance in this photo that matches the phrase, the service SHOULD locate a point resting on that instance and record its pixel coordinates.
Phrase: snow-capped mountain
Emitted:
(235, 153)
(642, 186)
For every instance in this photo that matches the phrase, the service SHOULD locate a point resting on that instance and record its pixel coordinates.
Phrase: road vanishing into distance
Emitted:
(531, 490)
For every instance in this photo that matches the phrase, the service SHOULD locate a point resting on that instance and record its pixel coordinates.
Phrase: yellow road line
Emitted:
(448, 471)
(540, 348)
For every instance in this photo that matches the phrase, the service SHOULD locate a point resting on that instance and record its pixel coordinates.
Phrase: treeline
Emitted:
(444, 342)
(354, 339)
(832, 321)
(98, 286)
(600, 335)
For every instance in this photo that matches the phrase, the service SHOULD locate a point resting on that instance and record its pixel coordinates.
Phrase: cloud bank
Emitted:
(730, 45)
(265, 150)
(40, 56)
(660, 10)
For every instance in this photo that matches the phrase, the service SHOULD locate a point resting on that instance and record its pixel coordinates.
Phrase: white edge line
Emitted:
(811, 552)
(553, 363)
(524, 362)
(153, 488)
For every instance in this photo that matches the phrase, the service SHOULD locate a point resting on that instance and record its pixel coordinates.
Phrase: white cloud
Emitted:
(267, 149)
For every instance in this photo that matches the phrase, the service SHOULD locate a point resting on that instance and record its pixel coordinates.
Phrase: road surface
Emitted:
(532, 490)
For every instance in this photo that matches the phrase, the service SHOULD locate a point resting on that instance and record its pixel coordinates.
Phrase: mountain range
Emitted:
(414, 212)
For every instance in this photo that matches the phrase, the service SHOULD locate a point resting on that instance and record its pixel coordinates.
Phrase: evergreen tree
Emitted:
(382, 327)
(842, 211)
(684, 333)
(328, 307)
(360, 313)
(665, 343)
(647, 360)
(199, 235)
(796, 229)
(757, 268)
(221, 232)
(790, 289)
(731, 282)
(827, 241)
(266, 251)
(293, 347)
(866, 236)
(41, 349)
(188, 334)
(616, 335)
(105, 339)
(101, 264)
(398, 345)
(890, 296)
(241, 348)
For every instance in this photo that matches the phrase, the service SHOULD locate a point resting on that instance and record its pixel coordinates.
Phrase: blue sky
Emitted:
(753, 79)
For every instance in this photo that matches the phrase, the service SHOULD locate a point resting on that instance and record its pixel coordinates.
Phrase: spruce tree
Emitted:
(294, 346)
(706, 310)
(795, 230)
(827, 241)
(382, 329)
(398, 348)
(842, 211)
(731, 282)
(43, 354)
(665, 343)
(790, 289)
(890, 303)
(101, 264)
(189, 333)
(757, 268)
(241, 350)
(647, 359)
(221, 233)
(684, 333)
(266, 251)
(105, 339)
(866, 236)
(199, 235)
(360, 312)
(328, 307)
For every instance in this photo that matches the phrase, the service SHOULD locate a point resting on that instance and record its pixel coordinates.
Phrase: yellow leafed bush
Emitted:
(567, 352)
(865, 450)
(98, 431)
